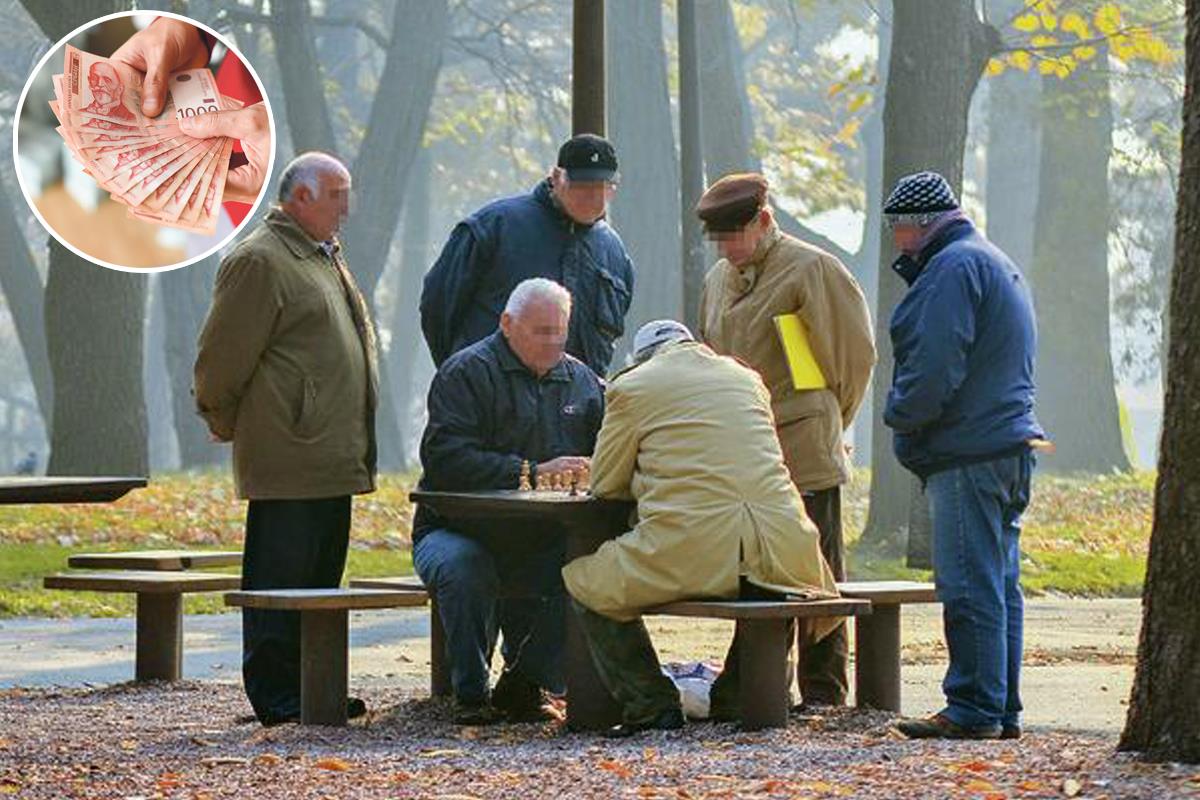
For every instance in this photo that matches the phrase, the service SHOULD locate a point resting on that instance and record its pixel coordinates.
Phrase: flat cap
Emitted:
(731, 203)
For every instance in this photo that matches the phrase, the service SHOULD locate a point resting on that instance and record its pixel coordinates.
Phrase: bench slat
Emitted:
(156, 560)
(764, 609)
(889, 592)
(324, 599)
(407, 583)
(143, 582)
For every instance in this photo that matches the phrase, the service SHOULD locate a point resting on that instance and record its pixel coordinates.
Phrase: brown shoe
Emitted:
(940, 727)
(522, 700)
(1010, 732)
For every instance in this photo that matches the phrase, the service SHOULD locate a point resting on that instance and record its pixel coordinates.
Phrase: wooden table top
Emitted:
(149, 582)
(49, 489)
(324, 599)
(156, 559)
(889, 592)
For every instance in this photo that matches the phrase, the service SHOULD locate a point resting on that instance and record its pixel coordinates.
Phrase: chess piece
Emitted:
(523, 485)
(585, 478)
(543, 482)
(558, 482)
(572, 482)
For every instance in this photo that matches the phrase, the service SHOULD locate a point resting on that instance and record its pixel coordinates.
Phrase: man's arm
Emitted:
(447, 292)
(246, 304)
(840, 332)
(937, 364)
(454, 452)
(616, 448)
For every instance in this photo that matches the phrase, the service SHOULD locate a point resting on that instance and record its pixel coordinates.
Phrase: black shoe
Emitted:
(668, 720)
(1010, 732)
(355, 708)
(476, 713)
(273, 718)
(521, 700)
(940, 727)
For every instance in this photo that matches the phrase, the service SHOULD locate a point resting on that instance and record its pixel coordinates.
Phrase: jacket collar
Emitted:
(745, 276)
(544, 196)
(293, 236)
(510, 363)
(909, 268)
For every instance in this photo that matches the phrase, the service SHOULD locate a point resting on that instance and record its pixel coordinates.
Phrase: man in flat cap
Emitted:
(961, 409)
(559, 232)
(689, 435)
(764, 274)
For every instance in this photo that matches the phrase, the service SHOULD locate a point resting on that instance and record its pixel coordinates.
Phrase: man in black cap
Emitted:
(558, 231)
(961, 409)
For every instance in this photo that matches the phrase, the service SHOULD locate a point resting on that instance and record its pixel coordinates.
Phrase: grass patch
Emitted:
(1084, 535)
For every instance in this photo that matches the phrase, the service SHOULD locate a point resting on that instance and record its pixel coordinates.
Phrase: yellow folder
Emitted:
(806, 373)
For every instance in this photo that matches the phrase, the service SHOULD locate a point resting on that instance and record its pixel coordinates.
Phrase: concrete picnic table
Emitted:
(50, 489)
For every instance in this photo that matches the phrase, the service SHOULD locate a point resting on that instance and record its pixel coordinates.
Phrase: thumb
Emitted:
(218, 123)
(153, 89)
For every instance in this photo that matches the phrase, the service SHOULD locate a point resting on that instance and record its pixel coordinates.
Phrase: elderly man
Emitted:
(764, 274)
(286, 371)
(961, 406)
(559, 232)
(689, 435)
(510, 402)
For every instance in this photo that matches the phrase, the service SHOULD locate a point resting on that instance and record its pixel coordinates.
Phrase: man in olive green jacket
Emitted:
(764, 273)
(286, 371)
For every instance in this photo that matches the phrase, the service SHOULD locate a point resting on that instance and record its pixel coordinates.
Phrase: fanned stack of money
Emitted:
(147, 163)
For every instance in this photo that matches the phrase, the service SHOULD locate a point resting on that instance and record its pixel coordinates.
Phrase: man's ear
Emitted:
(506, 323)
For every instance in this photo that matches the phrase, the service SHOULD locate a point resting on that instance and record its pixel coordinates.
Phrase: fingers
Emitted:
(244, 123)
(154, 88)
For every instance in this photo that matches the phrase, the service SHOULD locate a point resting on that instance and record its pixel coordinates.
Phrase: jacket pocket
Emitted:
(307, 415)
(612, 298)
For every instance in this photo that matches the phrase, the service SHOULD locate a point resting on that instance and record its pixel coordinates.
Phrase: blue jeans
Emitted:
(482, 590)
(976, 561)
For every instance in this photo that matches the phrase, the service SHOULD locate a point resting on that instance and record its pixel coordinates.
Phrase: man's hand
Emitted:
(248, 125)
(562, 464)
(164, 46)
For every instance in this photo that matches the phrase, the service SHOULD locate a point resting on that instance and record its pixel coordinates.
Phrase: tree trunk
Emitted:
(1077, 402)
(23, 291)
(938, 53)
(306, 109)
(186, 294)
(1165, 702)
(646, 208)
(94, 337)
(162, 445)
(691, 159)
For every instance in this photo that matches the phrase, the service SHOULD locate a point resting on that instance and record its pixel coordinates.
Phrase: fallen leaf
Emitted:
(971, 766)
(615, 767)
(333, 764)
(1071, 787)
(440, 753)
(267, 760)
(979, 785)
(221, 761)
(203, 742)
(129, 744)
(650, 753)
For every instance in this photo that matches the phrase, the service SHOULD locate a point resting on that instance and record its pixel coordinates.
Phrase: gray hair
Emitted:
(305, 170)
(534, 289)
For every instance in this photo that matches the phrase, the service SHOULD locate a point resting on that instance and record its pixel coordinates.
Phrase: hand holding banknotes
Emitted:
(164, 46)
(251, 127)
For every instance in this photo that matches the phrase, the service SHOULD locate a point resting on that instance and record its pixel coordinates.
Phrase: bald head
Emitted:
(315, 190)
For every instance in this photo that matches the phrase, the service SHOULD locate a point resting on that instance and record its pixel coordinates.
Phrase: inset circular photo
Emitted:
(143, 141)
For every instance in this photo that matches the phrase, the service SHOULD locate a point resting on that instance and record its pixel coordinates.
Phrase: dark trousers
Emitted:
(290, 544)
(822, 669)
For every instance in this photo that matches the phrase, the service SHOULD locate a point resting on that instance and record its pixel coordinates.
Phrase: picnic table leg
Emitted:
(439, 659)
(763, 672)
(324, 672)
(589, 705)
(877, 660)
(159, 637)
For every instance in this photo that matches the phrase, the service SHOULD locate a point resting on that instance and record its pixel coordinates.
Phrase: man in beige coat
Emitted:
(689, 435)
(286, 371)
(764, 273)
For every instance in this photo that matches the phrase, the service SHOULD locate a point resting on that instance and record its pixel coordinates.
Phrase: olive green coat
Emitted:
(689, 436)
(737, 318)
(287, 368)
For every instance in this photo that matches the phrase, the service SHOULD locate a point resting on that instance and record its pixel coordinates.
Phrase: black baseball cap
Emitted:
(588, 157)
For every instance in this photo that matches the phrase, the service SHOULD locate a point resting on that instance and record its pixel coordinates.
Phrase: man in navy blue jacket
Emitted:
(511, 398)
(558, 231)
(961, 408)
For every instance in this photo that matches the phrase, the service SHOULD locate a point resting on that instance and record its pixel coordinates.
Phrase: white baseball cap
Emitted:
(660, 331)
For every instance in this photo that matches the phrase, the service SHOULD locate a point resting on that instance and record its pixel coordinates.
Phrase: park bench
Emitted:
(877, 638)
(439, 661)
(763, 642)
(156, 560)
(159, 652)
(324, 646)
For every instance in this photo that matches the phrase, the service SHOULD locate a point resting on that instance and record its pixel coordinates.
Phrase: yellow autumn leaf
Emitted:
(995, 67)
(848, 132)
(1108, 19)
(1027, 23)
(1047, 66)
(836, 88)
(1084, 53)
(1043, 41)
(1073, 22)
(1021, 60)
(1049, 21)
(858, 102)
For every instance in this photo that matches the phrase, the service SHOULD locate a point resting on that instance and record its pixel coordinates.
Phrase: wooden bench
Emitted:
(877, 637)
(763, 642)
(324, 645)
(156, 560)
(159, 653)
